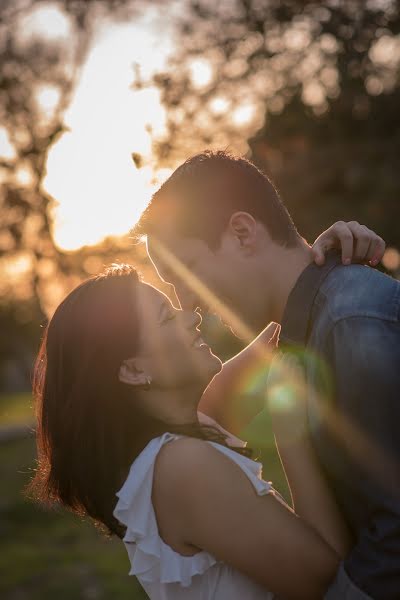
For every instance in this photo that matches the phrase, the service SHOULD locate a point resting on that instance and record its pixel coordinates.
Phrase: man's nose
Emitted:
(189, 304)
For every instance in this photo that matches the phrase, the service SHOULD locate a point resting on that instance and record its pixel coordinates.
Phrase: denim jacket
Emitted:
(346, 320)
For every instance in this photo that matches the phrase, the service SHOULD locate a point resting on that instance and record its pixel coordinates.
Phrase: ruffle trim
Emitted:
(152, 560)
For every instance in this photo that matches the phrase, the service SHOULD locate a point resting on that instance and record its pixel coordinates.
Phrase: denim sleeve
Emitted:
(365, 355)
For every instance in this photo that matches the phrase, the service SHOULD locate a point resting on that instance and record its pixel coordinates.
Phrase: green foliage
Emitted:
(15, 409)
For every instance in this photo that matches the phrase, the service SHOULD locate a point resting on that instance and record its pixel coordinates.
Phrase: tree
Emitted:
(310, 91)
(37, 70)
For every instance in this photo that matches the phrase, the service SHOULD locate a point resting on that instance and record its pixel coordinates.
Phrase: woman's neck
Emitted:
(178, 406)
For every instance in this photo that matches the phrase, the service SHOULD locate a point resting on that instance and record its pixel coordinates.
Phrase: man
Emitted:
(219, 233)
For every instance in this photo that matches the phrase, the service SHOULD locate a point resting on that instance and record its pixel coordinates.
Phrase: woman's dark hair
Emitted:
(201, 195)
(89, 428)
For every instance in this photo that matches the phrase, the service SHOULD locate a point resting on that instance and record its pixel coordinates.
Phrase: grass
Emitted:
(45, 554)
(16, 409)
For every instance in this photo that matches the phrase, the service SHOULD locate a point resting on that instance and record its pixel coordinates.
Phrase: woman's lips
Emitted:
(199, 342)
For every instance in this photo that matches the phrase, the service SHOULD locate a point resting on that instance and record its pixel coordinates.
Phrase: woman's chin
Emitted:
(218, 364)
(215, 365)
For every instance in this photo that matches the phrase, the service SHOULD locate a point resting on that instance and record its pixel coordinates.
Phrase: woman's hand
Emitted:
(223, 400)
(357, 243)
(287, 395)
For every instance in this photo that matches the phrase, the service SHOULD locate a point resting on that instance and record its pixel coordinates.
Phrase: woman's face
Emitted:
(171, 350)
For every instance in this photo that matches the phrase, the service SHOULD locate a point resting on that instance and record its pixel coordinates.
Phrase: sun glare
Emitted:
(98, 191)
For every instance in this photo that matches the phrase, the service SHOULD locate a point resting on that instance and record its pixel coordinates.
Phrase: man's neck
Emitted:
(291, 263)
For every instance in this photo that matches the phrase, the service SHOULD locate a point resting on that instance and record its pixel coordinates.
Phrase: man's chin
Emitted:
(231, 329)
(210, 312)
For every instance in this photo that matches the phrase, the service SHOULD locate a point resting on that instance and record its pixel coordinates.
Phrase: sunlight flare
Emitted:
(97, 189)
(201, 290)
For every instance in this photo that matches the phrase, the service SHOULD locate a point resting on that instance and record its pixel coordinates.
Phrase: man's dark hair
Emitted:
(201, 195)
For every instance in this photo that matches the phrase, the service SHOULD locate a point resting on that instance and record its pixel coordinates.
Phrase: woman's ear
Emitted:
(243, 227)
(131, 374)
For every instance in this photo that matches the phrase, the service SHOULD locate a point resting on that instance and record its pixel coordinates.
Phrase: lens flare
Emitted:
(204, 293)
(281, 398)
(287, 388)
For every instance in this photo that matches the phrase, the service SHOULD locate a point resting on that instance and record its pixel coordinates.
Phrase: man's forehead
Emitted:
(160, 248)
(163, 253)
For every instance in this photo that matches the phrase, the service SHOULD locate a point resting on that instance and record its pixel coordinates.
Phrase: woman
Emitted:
(118, 382)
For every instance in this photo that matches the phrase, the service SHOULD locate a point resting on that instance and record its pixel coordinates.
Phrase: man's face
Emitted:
(214, 281)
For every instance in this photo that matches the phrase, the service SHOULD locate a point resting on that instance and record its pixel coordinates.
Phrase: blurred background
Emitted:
(99, 101)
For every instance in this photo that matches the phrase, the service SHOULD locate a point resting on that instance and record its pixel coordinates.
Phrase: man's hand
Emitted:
(357, 243)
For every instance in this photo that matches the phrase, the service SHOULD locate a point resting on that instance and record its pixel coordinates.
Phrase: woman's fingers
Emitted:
(338, 235)
(356, 242)
(318, 250)
(362, 240)
(368, 247)
(376, 251)
(346, 242)
(273, 329)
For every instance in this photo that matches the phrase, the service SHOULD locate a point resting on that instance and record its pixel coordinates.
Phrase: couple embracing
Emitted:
(136, 423)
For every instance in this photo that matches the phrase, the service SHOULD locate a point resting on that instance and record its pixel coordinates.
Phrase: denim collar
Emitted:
(296, 322)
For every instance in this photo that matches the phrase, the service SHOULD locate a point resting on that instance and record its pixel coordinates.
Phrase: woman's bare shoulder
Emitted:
(182, 472)
(194, 467)
(183, 457)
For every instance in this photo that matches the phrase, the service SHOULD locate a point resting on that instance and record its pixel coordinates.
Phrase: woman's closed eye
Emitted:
(168, 317)
(166, 314)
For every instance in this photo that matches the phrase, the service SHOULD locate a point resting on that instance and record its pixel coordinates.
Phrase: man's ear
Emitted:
(244, 228)
(132, 374)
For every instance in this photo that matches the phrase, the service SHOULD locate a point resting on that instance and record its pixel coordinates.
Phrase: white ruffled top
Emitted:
(163, 573)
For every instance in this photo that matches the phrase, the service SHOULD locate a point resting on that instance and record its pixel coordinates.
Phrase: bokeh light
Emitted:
(391, 259)
(45, 21)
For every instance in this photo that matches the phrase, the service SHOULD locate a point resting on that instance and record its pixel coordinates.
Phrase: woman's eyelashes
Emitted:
(168, 316)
